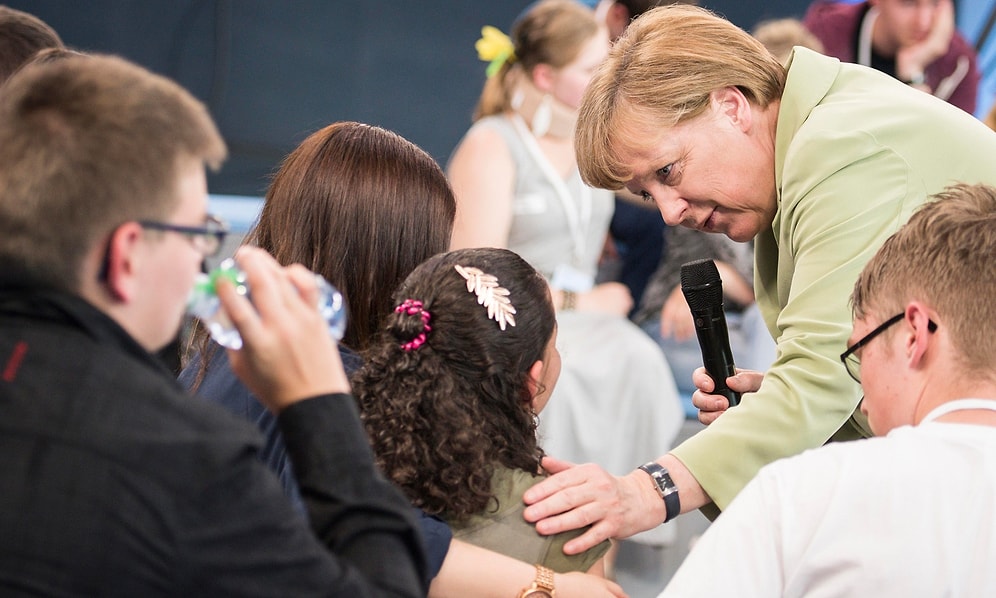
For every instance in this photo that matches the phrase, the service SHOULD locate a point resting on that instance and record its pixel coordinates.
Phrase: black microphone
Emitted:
(703, 290)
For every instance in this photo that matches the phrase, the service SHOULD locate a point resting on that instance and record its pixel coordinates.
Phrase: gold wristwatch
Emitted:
(542, 586)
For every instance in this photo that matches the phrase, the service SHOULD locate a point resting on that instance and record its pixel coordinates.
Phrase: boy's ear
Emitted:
(120, 260)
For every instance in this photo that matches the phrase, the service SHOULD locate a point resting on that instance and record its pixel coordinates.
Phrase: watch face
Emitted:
(537, 594)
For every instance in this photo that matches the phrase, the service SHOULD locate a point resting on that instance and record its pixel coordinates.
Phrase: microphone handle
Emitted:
(717, 357)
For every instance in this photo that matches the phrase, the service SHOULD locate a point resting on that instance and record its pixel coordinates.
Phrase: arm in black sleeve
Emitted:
(354, 511)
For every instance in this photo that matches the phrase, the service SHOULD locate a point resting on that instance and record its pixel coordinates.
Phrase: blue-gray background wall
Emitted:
(273, 71)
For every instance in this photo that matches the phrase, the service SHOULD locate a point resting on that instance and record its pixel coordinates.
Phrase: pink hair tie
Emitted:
(413, 307)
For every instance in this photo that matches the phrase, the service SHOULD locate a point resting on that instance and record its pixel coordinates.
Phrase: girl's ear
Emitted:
(532, 381)
(543, 77)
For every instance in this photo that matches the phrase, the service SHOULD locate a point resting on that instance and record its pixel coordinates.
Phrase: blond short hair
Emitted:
(779, 36)
(944, 257)
(87, 143)
(660, 73)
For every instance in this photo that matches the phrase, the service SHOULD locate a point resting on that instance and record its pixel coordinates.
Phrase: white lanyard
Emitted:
(865, 36)
(579, 217)
(959, 405)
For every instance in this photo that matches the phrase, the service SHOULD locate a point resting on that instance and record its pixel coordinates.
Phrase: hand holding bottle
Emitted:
(203, 304)
(288, 354)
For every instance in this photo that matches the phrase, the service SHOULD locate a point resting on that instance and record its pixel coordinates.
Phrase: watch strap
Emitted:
(543, 583)
(665, 487)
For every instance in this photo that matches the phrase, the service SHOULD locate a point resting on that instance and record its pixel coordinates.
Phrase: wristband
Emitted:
(665, 488)
(570, 300)
(917, 78)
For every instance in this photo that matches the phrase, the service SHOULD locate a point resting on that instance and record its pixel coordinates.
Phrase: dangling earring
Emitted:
(517, 98)
(543, 116)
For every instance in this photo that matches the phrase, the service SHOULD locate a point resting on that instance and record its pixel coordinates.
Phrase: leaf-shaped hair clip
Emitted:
(489, 294)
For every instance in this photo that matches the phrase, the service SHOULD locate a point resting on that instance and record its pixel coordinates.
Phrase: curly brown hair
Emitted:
(442, 416)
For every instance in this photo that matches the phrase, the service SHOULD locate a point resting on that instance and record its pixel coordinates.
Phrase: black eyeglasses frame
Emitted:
(214, 229)
(849, 357)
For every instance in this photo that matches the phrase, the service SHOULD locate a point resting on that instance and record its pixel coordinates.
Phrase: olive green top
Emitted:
(502, 529)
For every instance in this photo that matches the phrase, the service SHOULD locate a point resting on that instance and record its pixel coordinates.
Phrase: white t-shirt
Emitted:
(909, 514)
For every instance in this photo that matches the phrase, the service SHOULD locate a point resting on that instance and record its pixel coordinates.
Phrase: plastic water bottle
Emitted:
(204, 304)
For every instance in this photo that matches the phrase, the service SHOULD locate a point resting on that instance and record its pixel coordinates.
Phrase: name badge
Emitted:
(569, 278)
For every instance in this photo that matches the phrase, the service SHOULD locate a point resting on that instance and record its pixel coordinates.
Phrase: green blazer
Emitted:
(856, 152)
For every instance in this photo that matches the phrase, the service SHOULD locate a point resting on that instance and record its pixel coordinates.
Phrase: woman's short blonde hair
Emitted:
(660, 73)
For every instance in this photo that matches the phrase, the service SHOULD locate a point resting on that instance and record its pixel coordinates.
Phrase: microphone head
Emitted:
(701, 284)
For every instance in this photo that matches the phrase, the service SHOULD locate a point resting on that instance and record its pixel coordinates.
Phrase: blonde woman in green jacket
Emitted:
(817, 162)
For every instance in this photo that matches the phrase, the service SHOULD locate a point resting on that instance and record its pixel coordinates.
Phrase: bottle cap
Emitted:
(228, 270)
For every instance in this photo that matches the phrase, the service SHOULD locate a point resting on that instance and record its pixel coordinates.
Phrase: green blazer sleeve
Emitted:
(850, 170)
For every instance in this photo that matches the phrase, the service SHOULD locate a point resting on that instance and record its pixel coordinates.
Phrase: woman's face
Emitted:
(567, 84)
(714, 173)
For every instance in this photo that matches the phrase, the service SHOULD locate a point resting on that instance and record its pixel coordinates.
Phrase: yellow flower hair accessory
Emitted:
(495, 48)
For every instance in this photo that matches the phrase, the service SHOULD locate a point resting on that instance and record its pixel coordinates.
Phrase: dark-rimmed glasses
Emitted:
(850, 359)
(206, 239)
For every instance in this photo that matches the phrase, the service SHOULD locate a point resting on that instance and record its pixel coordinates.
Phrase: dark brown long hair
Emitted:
(362, 206)
(442, 416)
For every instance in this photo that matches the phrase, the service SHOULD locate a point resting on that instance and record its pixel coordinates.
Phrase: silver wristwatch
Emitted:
(665, 488)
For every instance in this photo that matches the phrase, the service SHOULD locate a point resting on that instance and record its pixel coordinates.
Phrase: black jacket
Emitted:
(115, 482)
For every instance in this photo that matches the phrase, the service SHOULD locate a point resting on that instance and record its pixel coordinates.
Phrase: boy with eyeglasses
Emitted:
(114, 481)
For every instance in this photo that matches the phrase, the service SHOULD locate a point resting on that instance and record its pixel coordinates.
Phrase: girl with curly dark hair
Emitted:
(450, 391)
